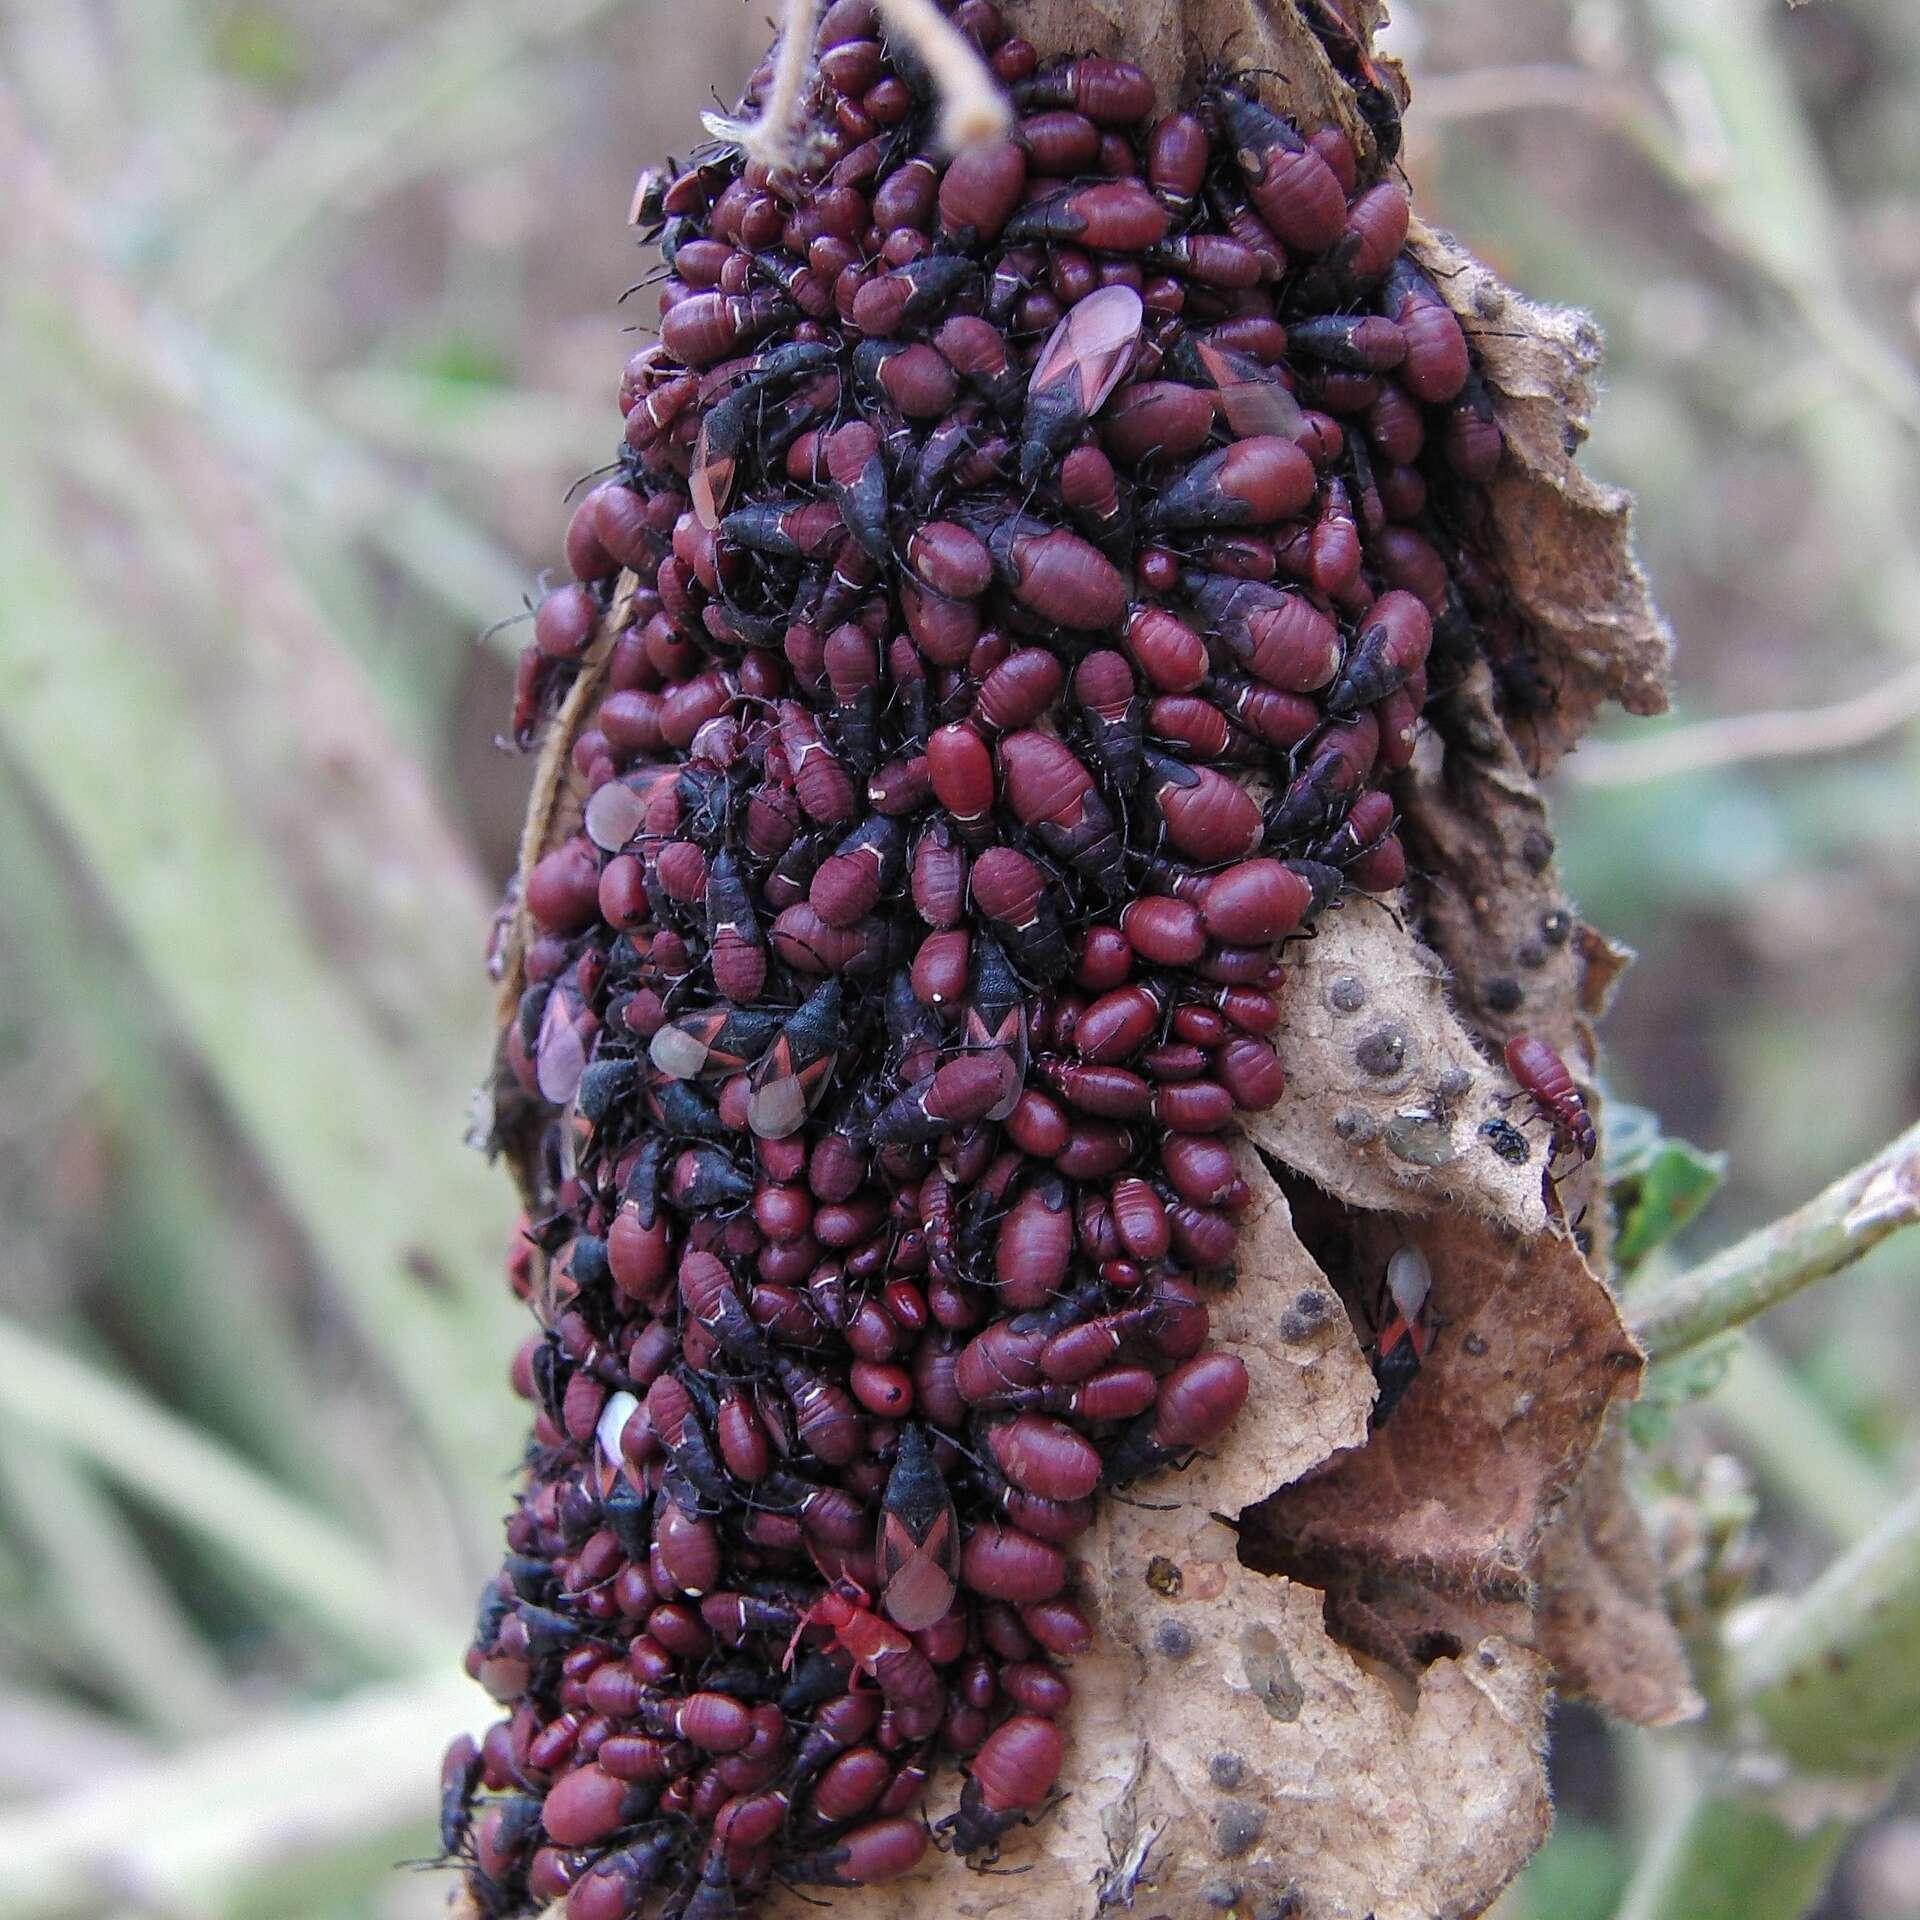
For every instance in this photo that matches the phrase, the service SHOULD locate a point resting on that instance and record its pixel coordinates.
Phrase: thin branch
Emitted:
(770, 138)
(1797, 1449)
(1737, 739)
(972, 107)
(1835, 1228)
(1834, 1675)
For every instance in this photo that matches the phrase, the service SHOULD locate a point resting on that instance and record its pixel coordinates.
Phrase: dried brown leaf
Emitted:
(1600, 1618)
(1487, 888)
(1450, 1499)
(1560, 540)
(1387, 1089)
(1488, 894)
(1220, 1738)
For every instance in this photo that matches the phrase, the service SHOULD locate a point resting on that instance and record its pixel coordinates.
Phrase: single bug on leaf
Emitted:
(1406, 1331)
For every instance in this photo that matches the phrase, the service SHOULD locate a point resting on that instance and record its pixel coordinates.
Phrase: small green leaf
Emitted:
(1633, 1137)
(1657, 1184)
(1669, 1385)
(255, 45)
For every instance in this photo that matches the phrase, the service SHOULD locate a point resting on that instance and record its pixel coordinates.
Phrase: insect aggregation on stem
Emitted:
(1036, 565)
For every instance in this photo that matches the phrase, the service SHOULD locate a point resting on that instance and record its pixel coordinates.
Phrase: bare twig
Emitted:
(770, 139)
(972, 107)
(1785, 734)
(1835, 1228)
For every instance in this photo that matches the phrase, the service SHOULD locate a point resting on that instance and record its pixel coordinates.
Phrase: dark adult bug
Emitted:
(919, 1544)
(1081, 364)
(1406, 1330)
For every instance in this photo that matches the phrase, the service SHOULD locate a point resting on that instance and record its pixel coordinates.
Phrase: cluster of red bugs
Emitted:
(1031, 566)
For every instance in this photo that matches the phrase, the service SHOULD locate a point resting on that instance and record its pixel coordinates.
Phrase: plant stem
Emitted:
(1731, 1859)
(1834, 1677)
(1822, 1709)
(1836, 1227)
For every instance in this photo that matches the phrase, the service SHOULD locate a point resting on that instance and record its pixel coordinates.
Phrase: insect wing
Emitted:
(711, 478)
(1093, 345)
(1253, 401)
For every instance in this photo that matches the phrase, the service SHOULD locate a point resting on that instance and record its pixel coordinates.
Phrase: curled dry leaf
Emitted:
(1560, 541)
(1387, 1089)
(1600, 1619)
(1223, 1747)
(1487, 892)
(1490, 897)
(1450, 1498)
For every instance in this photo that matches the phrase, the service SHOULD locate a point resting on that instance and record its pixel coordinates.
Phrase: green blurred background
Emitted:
(307, 320)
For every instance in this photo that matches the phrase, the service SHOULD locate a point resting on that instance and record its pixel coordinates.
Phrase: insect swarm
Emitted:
(989, 664)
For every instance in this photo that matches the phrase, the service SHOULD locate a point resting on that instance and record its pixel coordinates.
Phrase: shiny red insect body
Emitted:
(1543, 1076)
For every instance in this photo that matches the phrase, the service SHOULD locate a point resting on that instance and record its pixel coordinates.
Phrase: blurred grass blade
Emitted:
(172, 1238)
(342, 487)
(408, 1221)
(137, 1647)
(285, 1547)
(296, 1815)
(340, 146)
(1799, 1451)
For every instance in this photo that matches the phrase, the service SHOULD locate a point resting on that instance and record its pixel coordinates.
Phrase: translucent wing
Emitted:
(1093, 344)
